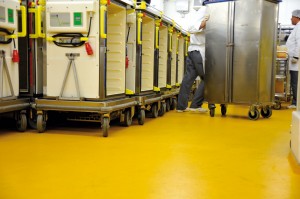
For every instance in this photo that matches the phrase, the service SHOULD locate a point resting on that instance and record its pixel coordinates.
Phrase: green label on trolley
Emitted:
(77, 19)
(10, 14)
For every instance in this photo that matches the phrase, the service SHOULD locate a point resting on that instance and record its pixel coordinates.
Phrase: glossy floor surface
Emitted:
(177, 156)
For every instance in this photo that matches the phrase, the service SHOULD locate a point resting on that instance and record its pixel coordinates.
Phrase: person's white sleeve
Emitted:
(296, 53)
(195, 29)
(196, 21)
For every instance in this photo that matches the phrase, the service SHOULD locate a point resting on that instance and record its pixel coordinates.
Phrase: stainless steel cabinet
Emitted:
(240, 54)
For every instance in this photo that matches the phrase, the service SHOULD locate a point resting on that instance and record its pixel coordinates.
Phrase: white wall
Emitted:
(158, 4)
(170, 11)
(286, 8)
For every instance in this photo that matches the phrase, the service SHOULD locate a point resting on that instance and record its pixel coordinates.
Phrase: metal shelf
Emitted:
(280, 76)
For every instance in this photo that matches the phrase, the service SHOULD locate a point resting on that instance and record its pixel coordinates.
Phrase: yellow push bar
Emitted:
(156, 37)
(157, 25)
(23, 33)
(103, 10)
(24, 22)
(170, 29)
(170, 42)
(35, 35)
(186, 45)
(38, 22)
(177, 44)
(139, 21)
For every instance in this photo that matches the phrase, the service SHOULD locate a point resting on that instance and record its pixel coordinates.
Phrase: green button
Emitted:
(10, 13)
(77, 19)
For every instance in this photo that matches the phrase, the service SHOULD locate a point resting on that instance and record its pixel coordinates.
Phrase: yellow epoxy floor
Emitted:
(177, 156)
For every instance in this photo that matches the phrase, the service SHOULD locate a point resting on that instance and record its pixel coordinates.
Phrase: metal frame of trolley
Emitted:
(142, 52)
(83, 81)
(13, 15)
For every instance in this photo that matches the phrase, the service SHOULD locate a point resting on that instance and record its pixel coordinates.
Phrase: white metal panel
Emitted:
(163, 56)
(131, 52)
(173, 62)
(87, 71)
(87, 66)
(57, 12)
(148, 53)
(11, 23)
(116, 26)
(180, 59)
(295, 135)
(7, 20)
(13, 69)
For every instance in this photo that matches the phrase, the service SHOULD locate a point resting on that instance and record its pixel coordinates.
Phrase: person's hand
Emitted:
(294, 60)
(206, 18)
(202, 25)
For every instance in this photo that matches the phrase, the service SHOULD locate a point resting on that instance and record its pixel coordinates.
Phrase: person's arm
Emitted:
(202, 25)
(296, 53)
(297, 50)
(195, 29)
(198, 26)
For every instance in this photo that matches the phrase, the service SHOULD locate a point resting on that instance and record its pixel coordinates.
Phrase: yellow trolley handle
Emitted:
(157, 25)
(39, 21)
(177, 43)
(24, 22)
(35, 35)
(170, 38)
(156, 37)
(139, 28)
(186, 45)
(103, 10)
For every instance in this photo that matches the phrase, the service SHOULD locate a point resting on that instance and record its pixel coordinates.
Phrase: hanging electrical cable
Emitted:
(8, 33)
(74, 38)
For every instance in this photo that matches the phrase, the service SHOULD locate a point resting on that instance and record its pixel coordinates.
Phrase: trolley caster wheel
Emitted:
(162, 109)
(127, 118)
(174, 104)
(223, 109)
(253, 115)
(154, 110)
(105, 126)
(212, 112)
(168, 106)
(277, 106)
(141, 117)
(21, 122)
(266, 113)
(40, 124)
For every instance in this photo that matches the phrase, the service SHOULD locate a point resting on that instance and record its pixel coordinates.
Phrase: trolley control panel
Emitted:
(8, 14)
(69, 16)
